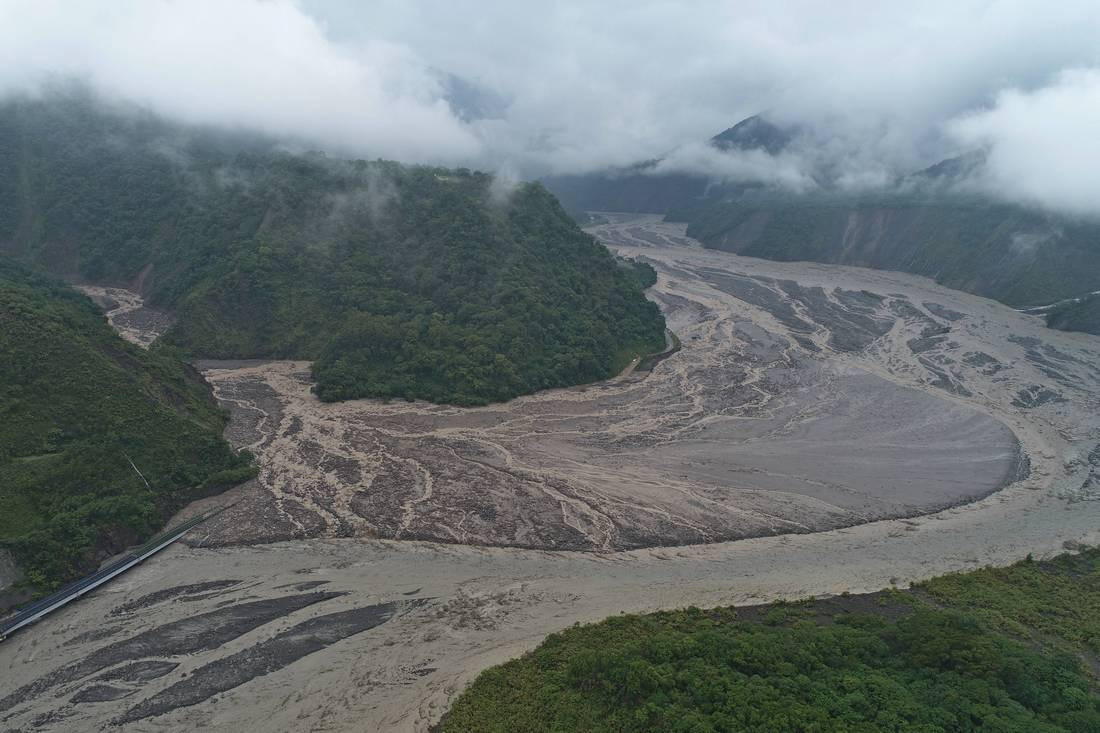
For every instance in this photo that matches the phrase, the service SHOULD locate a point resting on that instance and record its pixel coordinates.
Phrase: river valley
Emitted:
(823, 429)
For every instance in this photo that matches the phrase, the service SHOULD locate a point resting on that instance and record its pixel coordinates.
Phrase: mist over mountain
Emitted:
(350, 349)
(754, 133)
(572, 89)
(939, 221)
(682, 177)
(399, 281)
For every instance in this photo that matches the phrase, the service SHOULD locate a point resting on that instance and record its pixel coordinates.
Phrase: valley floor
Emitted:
(389, 552)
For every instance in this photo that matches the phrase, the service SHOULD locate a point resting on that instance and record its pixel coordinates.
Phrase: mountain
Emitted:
(1078, 314)
(83, 413)
(928, 223)
(949, 172)
(1013, 254)
(398, 281)
(755, 133)
(636, 189)
(641, 188)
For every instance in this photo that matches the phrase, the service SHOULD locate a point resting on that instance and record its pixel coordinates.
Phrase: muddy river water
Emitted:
(823, 429)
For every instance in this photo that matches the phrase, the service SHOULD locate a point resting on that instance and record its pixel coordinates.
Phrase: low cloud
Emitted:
(261, 64)
(879, 90)
(505, 183)
(784, 170)
(370, 199)
(1042, 144)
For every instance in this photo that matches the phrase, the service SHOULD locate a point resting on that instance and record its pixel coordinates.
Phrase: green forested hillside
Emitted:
(78, 405)
(1016, 255)
(994, 650)
(636, 189)
(1082, 315)
(400, 281)
(925, 223)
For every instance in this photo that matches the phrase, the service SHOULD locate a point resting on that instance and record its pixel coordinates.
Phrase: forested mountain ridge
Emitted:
(100, 440)
(399, 281)
(641, 188)
(927, 223)
(1019, 256)
(755, 133)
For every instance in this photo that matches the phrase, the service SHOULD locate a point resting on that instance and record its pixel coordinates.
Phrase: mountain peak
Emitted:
(952, 170)
(753, 133)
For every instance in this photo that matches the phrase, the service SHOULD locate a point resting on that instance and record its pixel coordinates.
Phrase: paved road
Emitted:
(71, 592)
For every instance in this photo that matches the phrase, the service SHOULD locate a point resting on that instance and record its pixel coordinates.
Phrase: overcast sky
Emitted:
(881, 88)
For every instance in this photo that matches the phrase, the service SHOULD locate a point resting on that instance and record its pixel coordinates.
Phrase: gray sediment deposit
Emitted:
(796, 417)
(742, 433)
(127, 312)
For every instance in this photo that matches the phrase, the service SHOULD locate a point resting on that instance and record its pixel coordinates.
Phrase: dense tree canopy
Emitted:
(82, 412)
(399, 281)
(1077, 315)
(994, 650)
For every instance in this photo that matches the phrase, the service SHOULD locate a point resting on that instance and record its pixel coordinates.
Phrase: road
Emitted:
(45, 606)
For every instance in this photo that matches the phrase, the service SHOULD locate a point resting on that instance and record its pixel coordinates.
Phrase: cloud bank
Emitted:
(266, 65)
(879, 89)
(1044, 145)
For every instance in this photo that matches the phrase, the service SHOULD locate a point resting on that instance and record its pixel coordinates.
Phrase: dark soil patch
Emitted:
(261, 659)
(186, 636)
(169, 593)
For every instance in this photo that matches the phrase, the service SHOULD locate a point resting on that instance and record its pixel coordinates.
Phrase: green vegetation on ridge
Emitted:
(398, 281)
(1015, 255)
(1002, 650)
(81, 413)
(1083, 315)
(927, 223)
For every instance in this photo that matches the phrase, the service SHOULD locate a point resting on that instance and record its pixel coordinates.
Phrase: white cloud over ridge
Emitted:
(1044, 145)
(783, 170)
(879, 89)
(259, 64)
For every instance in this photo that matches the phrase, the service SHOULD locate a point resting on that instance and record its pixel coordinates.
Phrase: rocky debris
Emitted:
(185, 636)
(941, 311)
(307, 637)
(173, 593)
(1036, 395)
